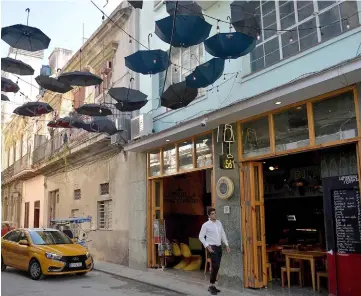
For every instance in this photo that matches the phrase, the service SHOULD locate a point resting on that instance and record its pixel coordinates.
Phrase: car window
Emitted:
(23, 236)
(13, 236)
(46, 237)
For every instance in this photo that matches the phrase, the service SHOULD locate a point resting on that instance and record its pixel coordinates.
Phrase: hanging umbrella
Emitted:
(184, 8)
(136, 4)
(178, 96)
(8, 86)
(87, 127)
(4, 98)
(206, 74)
(94, 110)
(243, 18)
(80, 78)
(103, 126)
(230, 45)
(53, 84)
(52, 123)
(25, 37)
(189, 30)
(128, 99)
(16, 67)
(69, 122)
(32, 109)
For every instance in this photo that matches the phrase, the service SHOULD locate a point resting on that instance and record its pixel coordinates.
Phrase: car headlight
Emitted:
(87, 255)
(53, 256)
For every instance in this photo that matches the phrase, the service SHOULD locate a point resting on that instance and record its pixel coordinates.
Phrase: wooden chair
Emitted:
(292, 269)
(319, 275)
(269, 271)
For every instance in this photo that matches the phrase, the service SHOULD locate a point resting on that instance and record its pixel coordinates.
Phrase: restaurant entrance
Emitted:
(287, 209)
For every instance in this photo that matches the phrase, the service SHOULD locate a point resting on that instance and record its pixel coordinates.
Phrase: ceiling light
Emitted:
(278, 103)
(167, 140)
(271, 168)
(299, 108)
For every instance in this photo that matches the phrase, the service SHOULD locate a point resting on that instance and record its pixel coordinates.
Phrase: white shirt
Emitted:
(214, 233)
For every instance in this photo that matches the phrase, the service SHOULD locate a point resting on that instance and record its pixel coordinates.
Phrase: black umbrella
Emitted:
(8, 86)
(25, 37)
(243, 18)
(16, 67)
(128, 99)
(206, 74)
(178, 96)
(4, 98)
(53, 84)
(69, 122)
(87, 127)
(103, 126)
(136, 4)
(94, 110)
(184, 8)
(32, 109)
(80, 78)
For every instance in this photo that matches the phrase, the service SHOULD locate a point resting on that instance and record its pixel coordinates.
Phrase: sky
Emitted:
(61, 20)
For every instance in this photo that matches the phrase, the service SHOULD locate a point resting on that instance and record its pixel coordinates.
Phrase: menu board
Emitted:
(347, 213)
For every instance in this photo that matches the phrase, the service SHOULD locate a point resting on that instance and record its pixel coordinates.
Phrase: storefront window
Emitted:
(291, 129)
(335, 118)
(169, 160)
(204, 151)
(154, 163)
(255, 137)
(185, 155)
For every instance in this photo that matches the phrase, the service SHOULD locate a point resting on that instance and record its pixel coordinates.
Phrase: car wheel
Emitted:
(3, 266)
(35, 270)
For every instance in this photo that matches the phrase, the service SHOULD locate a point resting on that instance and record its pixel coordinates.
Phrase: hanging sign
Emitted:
(225, 136)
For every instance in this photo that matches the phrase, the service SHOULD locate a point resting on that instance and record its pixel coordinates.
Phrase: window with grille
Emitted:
(104, 189)
(105, 214)
(188, 59)
(77, 194)
(304, 24)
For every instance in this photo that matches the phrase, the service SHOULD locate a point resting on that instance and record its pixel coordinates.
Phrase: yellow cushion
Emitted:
(184, 262)
(195, 244)
(176, 250)
(195, 264)
(186, 252)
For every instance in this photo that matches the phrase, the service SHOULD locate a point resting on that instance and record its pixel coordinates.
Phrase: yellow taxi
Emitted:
(42, 252)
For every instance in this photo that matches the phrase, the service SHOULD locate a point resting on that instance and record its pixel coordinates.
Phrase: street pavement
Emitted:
(95, 283)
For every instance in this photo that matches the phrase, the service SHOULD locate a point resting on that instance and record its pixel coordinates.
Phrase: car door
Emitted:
(11, 242)
(22, 252)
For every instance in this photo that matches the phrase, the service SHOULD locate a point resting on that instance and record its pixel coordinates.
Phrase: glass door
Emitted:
(156, 214)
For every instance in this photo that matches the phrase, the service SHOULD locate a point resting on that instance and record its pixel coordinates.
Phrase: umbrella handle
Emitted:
(230, 23)
(149, 35)
(27, 20)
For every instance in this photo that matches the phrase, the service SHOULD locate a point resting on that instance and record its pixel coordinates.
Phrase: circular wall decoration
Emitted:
(225, 188)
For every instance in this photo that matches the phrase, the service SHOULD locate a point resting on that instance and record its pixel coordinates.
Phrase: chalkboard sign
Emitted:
(347, 218)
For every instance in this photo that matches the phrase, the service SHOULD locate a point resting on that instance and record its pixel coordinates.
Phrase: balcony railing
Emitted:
(7, 173)
(22, 164)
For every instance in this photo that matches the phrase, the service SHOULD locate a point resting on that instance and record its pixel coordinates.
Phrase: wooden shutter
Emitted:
(253, 225)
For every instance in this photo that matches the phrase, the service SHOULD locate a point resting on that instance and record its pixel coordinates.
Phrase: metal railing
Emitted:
(22, 164)
(47, 149)
(7, 173)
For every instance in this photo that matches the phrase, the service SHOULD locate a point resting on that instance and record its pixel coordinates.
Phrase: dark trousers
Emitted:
(216, 257)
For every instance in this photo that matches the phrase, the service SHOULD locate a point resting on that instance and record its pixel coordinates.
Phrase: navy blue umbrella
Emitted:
(16, 67)
(25, 37)
(189, 30)
(9, 86)
(94, 110)
(230, 45)
(147, 61)
(4, 98)
(206, 74)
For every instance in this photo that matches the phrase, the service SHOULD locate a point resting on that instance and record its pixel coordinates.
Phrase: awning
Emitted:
(304, 88)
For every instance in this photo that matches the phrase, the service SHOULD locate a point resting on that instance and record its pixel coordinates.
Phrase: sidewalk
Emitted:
(163, 280)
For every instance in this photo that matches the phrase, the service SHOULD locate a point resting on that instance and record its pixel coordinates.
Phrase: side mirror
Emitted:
(23, 243)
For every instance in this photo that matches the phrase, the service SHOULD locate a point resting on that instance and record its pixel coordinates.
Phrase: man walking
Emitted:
(212, 234)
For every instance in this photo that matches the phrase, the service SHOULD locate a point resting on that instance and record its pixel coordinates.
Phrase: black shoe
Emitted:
(217, 290)
(213, 290)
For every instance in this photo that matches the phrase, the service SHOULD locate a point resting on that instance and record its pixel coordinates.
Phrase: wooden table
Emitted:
(303, 255)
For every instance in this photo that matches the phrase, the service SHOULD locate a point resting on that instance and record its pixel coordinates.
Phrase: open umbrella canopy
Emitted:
(184, 8)
(9, 86)
(103, 125)
(32, 109)
(94, 110)
(25, 37)
(52, 123)
(230, 45)
(147, 61)
(53, 84)
(4, 98)
(136, 4)
(130, 106)
(189, 30)
(87, 127)
(243, 17)
(128, 99)
(178, 95)
(16, 67)
(80, 78)
(68, 122)
(206, 74)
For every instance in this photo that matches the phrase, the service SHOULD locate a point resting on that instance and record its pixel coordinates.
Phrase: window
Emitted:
(154, 163)
(13, 236)
(105, 214)
(169, 160)
(77, 194)
(104, 189)
(298, 21)
(255, 137)
(49, 237)
(204, 151)
(185, 155)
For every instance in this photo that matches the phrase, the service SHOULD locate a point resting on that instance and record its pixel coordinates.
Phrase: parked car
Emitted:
(6, 226)
(44, 251)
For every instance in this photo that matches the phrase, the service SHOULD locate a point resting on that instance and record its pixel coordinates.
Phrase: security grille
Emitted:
(104, 189)
(105, 214)
(77, 194)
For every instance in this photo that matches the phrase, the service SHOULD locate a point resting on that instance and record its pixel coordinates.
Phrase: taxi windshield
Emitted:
(44, 237)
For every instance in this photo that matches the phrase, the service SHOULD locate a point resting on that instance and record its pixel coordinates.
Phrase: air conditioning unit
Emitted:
(141, 126)
(123, 126)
